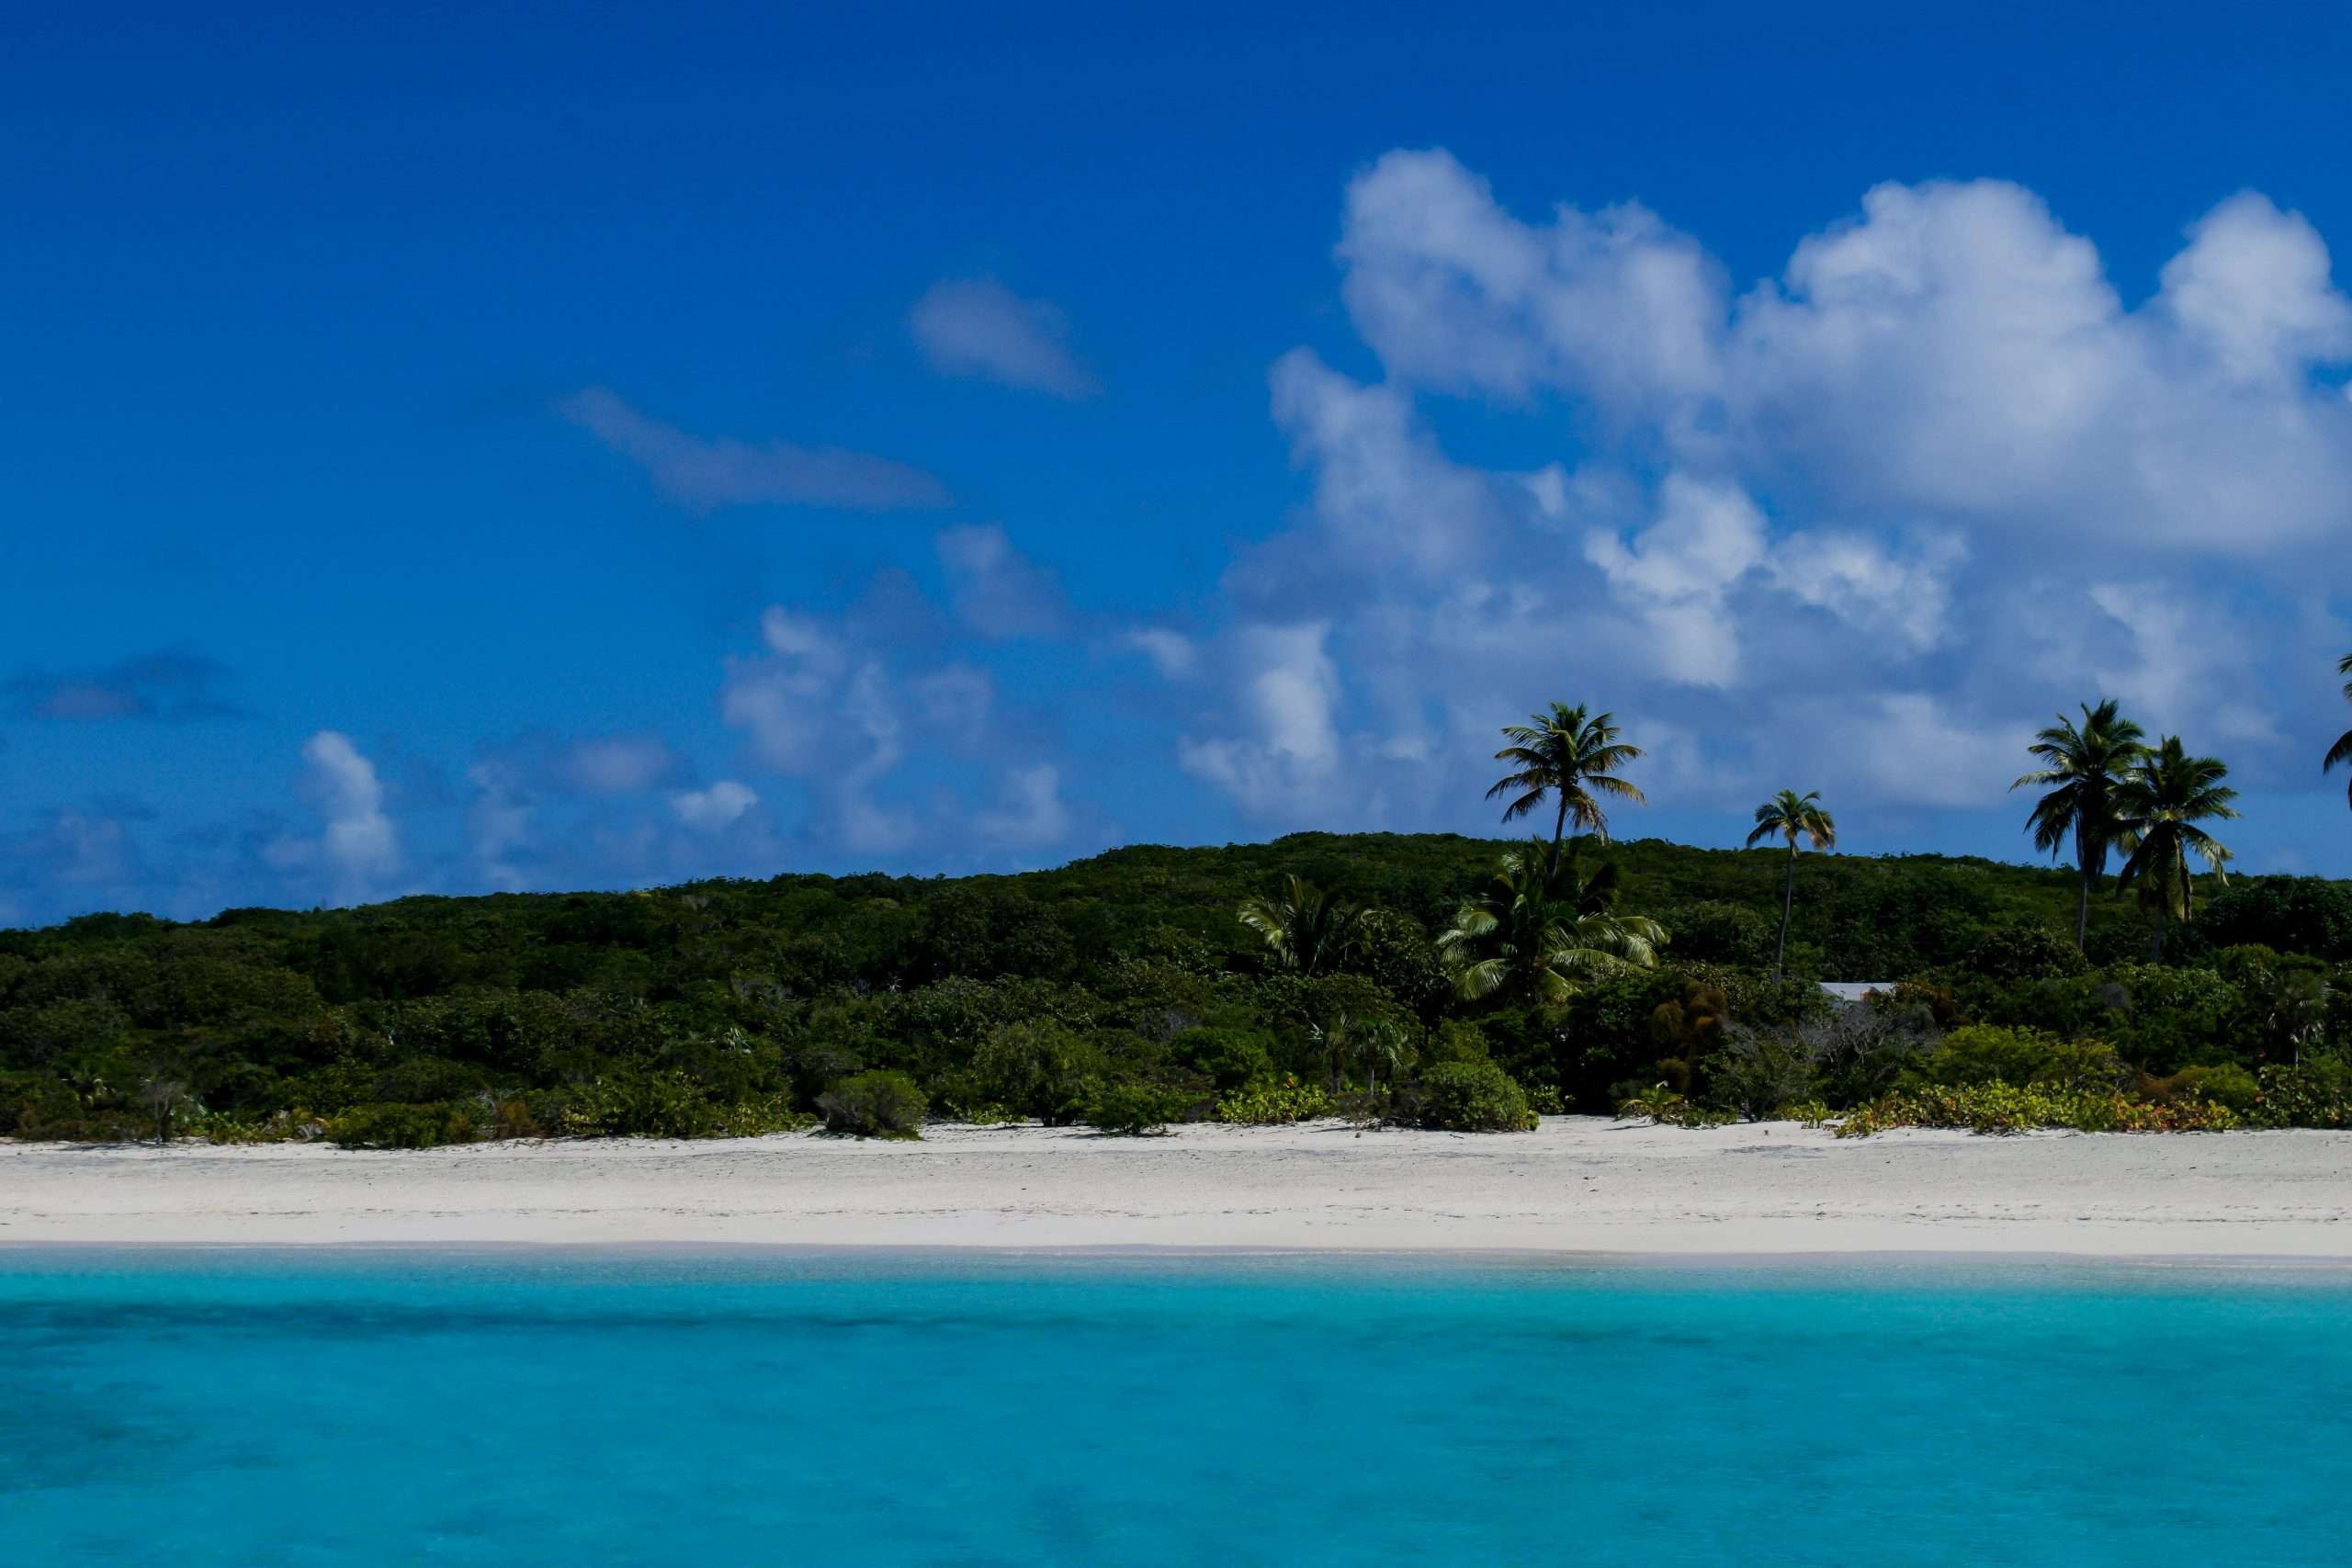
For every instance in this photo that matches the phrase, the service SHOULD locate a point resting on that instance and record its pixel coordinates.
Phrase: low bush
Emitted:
(1988, 1054)
(2316, 1093)
(34, 1105)
(759, 1116)
(1038, 1067)
(873, 1105)
(1662, 1104)
(1466, 1096)
(1229, 1058)
(1753, 1076)
(426, 1126)
(1273, 1102)
(2227, 1085)
(1135, 1109)
(641, 1105)
(2008, 1108)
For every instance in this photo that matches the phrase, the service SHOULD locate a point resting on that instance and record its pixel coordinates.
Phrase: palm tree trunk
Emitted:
(1560, 826)
(1788, 899)
(2083, 896)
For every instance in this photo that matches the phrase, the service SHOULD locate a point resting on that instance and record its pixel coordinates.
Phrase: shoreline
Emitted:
(1578, 1187)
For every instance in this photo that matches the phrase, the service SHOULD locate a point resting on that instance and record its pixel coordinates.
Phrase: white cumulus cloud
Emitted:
(715, 808)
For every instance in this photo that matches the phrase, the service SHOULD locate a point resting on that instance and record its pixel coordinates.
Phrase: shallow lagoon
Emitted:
(197, 1409)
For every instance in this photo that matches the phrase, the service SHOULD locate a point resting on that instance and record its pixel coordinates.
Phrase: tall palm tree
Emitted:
(1381, 1043)
(1306, 931)
(1792, 815)
(1573, 758)
(2298, 1001)
(2160, 804)
(2087, 764)
(2341, 750)
(1542, 932)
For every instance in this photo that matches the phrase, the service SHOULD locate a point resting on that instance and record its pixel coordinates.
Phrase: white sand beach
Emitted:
(1579, 1184)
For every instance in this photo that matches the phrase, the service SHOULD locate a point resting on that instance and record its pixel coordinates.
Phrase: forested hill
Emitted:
(1126, 988)
(1855, 918)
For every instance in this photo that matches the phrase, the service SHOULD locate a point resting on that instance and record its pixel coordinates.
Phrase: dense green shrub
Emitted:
(641, 1105)
(2024, 952)
(761, 1116)
(2227, 1085)
(2168, 1018)
(1466, 1096)
(1754, 1076)
(32, 1104)
(1039, 1068)
(2006, 1108)
(1985, 1052)
(424, 1126)
(1134, 1108)
(873, 1105)
(1271, 1102)
(2314, 1093)
(1229, 1058)
(2289, 914)
(1661, 1103)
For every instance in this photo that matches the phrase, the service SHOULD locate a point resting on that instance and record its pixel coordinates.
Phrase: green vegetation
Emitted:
(1429, 980)
(873, 1105)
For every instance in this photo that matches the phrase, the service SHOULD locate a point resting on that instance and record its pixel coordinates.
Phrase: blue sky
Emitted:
(477, 448)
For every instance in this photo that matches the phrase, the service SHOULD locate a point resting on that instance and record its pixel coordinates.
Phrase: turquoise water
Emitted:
(194, 1409)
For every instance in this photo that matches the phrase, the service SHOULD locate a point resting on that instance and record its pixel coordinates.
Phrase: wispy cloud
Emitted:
(979, 328)
(706, 471)
(170, 683)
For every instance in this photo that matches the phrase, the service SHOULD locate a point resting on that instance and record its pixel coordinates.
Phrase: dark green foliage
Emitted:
(2289, 914)
(1711, 931)
(1043, 1070)
(1466, 1096)
(1229, 1058)
(2230, 1086)
(873, 1105)
(2314, 1094)
(407, 1126)
(1985, 1052)
(724, 1006)
(2011, 954)
(1134, 1109)
(1757, 1076)
(639, 1103)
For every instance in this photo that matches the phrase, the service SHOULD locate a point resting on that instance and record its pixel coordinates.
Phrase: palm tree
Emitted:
(2299, 1002)
(2160, 804)
(1542, 932)
(2087, 764)
(1382, 1044)
(1573, 758)
(1792, 816)
(1306, 931)
(2341, 750)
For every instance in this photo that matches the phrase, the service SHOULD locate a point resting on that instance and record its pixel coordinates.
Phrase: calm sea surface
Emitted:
(262, 1407)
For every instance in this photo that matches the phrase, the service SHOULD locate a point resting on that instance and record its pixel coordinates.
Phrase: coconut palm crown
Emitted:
(2085, 765)
(1306, 931)
(2341, 750)
(2160, 804)
(1571, 757)
(1542, 932)
(1790, 815)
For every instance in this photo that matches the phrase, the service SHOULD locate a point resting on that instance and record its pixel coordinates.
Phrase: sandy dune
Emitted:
(1579, 1184)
